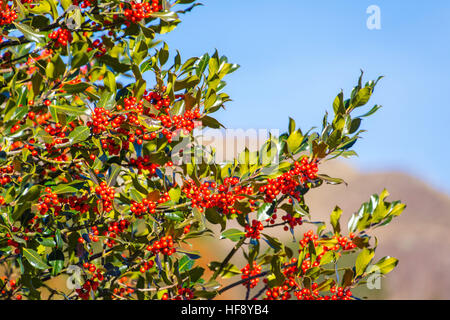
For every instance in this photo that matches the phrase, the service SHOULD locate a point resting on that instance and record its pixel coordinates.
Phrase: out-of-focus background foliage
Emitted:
(295, 56)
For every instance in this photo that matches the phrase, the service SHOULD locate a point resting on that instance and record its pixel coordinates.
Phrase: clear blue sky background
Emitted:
(296, 55)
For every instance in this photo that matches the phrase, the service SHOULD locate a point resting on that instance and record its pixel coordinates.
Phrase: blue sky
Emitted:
(296, 55)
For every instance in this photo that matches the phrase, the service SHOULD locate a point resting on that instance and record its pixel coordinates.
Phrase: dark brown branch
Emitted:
(228, 258)
(260, 275)
(260, 292)
(231, 286)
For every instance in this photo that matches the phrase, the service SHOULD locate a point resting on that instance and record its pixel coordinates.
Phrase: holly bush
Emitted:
(95, 188)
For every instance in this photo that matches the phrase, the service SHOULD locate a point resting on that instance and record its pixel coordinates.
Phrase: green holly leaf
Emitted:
(79, 134)
(34, 259)
(232, 234)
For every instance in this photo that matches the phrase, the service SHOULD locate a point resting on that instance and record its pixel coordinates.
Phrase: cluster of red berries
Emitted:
(185, 122)
(131, 104)
(165, 296)
(139, 11)
(16, 145)
(223, 197)
(110, 145)
(292, 221)
(289, 181)
(282, 292)
(308, 294)
(5, 180)
(344, 242)
(254, 230)
(187, 229)
(290, 269)
(313, 293)
(42, 117)
(77, 203)
(146, 265)
(167, 134)
(143, 163)
(58, 131)
(7, 14)
(184, 294)
(15, 128)
(85, 290)
(99, 47)
(34, 152)
(307, 237)
(272, 218)
(100, 120)
(48, 201)
(307, 264)
(164, 197)
(340, 293)
(200, 196)
(288, 219)
(8, 287)
(274, 187)
(33, 225)
(93, 236)
(252, 271)
(106, 195)
(158, 100)
(5, 174)
(96, 273)
(313, 238)
(228, 193)
(278, 293)
(164, 246)
(140, 134)
(60, 37)
(83, 3)
(121, 292)
(14, 244)
(2, 200)
(307, 170)
(142, 208)
(114, 229)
